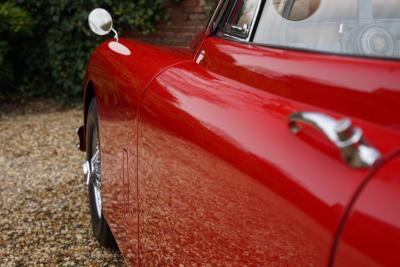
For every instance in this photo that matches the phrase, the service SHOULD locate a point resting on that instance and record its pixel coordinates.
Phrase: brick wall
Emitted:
(185, 20)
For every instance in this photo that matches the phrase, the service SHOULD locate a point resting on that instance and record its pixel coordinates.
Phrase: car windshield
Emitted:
(354, 27)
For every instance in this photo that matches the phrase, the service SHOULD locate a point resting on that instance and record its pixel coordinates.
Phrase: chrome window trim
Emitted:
(249, 35)
(210, 27)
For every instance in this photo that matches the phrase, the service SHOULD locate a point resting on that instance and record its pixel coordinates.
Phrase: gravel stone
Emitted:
(44, 212)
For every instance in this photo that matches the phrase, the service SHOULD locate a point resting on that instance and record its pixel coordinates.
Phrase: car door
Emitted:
(371, 232)
(226, 175)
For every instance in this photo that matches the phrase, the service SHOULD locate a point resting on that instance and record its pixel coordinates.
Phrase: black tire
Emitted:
(100, 228)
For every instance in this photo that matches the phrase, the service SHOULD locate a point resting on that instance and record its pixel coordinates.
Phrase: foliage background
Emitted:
(210, 6)
(44, 45)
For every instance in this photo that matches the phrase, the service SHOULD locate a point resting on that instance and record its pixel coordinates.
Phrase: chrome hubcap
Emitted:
(95, 177)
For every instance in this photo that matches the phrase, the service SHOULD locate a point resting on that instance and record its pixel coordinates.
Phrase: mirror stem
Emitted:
(115, 34)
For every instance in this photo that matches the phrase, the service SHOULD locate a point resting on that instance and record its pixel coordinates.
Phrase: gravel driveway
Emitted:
(44, 215)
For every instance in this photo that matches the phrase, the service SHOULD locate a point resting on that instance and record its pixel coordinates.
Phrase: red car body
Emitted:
(200, 167)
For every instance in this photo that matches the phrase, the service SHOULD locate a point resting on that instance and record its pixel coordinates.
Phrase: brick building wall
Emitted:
(183, 23)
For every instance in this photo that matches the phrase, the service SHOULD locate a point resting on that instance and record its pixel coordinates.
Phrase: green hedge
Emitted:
(14, 23)
(47, 43)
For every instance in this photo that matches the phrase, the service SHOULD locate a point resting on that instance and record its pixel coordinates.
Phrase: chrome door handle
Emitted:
(350, 140)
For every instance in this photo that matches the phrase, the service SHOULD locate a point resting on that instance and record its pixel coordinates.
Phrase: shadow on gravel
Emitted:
(36, 106)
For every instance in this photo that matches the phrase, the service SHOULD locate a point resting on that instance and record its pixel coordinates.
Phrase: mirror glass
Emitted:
(100, 21)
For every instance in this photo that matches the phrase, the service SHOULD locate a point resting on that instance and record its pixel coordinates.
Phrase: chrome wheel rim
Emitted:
(95, 177)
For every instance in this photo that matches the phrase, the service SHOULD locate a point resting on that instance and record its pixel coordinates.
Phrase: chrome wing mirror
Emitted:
(101, 23)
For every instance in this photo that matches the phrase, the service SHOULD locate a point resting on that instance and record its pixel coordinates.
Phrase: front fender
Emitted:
(107, 68)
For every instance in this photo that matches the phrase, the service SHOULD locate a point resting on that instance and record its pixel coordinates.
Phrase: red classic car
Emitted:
(274, 140)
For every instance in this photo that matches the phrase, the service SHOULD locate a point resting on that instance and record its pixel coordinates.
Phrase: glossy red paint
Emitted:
(211, 174)
(372, 232)
(219, 164)
(119, 83)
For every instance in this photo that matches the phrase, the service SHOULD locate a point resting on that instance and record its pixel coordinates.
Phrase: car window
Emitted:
(353, 27)
(241, 18)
